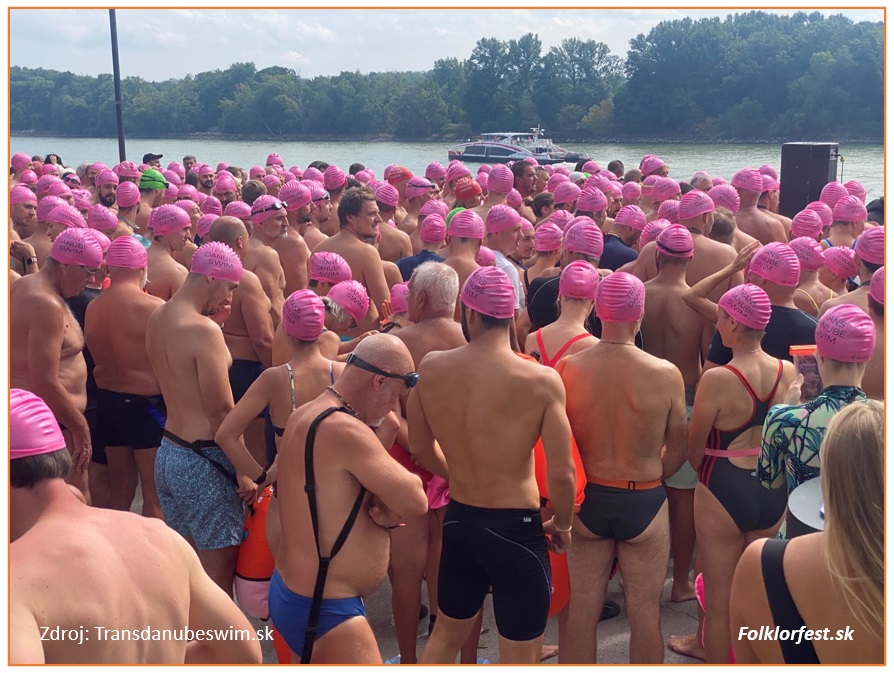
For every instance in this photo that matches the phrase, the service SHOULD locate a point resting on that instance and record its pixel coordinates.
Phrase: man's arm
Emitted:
(229, 435)
(24, 633)
(214, 385)
(646, 268)
(696, 297)
(294, 258)
(269, 272)
(675, 436)
(46, 331)
(423, 446)
(211, 609)
(555, 434)
(373, 277)
(257, 320)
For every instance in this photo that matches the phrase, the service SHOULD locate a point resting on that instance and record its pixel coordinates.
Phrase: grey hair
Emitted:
(440, 284)
(339, 315)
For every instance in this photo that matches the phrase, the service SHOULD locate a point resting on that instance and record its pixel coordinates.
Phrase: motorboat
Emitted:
(506, 146)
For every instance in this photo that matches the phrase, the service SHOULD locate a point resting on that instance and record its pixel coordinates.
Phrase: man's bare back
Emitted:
(166, 275)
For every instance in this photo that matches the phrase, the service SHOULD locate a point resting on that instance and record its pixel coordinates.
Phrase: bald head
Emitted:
(227, 230)
(386, 352)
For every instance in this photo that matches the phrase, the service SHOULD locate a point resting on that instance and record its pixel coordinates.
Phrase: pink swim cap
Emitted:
(871, 245)
(669, 210)
(575, 220)
(334, 177)
(547, 237)
(303, 314)
(621, 297)
(127, 252)
(418, 187)
(770, 184)
(579, 280)
(807, 223)
(167, 219)
(203, 226)
(747, 304)
(433, 206)
(270, 180)
(400, 297)
(295, 194)
(841, 261)
(631, 216)
(485, 257)
(185, 192)
(256, 172)
(105, 177)
(650, 163)
(651, 230)
(585, 239)
(809, 252)
(44, 183)
(467, 224)
(514, 199)
(500, 179)
(877, 286)
(59, 189)
(500, 218)
(433, 229)
(329, 267)
(388, 195)
(103, 240)
(171, 191)
(67, 215)
(128, 169)
(695, 204)
(591, 201)
(314, 175)
(187, 205)
(832, 193)
(211, 205)
(675, 241)
(29, 177)
(265, 207)
(238, 209)
(82, 199)
(274, 158)
(823, 210)
(561, 218)
(854, 188)
(77, 246)
(33, 430)
(398, 174)
(558, 169)
(665, 188)
(555, 180)
(456, 170)
(777, 263)
(631, 191)
(128, 195)
(205, 169)
(717, 180)
(591, 167)
(19, 160)
(489, 291)
(46, 205)
(170, 176)
(567, 192)
(435, 171)
(101, 218)
(766, 169)
(846, 334)
(749, 179)
(849, 209)
(222, 166)
(217, 260)
(224, 183)
(352, 297)
(21, 194)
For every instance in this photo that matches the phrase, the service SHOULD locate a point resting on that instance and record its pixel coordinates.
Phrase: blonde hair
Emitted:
(853, 474)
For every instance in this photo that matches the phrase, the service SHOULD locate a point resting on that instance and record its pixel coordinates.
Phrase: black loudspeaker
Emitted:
(806, 169)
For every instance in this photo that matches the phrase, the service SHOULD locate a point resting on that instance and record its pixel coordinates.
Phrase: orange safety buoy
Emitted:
(254, 564)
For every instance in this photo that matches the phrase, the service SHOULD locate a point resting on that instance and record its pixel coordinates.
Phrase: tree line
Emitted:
(749, 76)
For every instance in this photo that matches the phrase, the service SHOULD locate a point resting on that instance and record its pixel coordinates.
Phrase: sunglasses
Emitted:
(410, 379)
(276, 205)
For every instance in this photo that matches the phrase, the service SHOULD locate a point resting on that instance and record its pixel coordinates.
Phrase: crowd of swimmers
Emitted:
(517, 382)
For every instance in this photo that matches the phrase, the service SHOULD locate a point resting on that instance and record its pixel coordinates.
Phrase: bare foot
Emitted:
(687, 594)
(548, 652)
(688, 646)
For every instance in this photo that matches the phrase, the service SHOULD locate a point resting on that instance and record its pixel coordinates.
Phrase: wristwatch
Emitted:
(30, 260)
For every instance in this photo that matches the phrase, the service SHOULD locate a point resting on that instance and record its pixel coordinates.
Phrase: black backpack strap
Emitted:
(310, 633)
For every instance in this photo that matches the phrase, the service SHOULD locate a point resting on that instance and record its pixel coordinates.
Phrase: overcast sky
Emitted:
(170, 43)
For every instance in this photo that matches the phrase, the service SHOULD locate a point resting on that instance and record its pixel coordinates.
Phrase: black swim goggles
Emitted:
(410, 379)
(276, 205)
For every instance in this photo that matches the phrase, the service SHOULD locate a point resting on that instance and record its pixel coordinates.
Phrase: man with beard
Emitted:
(106, 188)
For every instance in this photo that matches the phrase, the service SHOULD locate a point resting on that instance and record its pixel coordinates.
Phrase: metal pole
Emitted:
(117, 74)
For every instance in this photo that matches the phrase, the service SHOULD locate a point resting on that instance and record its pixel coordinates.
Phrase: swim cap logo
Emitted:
(218, 258)
(73, 247)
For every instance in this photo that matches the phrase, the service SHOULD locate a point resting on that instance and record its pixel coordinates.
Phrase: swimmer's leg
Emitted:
(409, 546)
(220, 564)
(351, 642)
(145, 459)
(589, 567)
(447, 639)
(643, 564)
(122, 477)
(681, 510)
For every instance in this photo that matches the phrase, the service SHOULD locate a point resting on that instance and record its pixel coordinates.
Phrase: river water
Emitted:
(861, 162)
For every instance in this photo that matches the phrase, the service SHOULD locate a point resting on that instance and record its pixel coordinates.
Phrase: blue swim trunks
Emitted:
(291, 612)
(197, 500)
